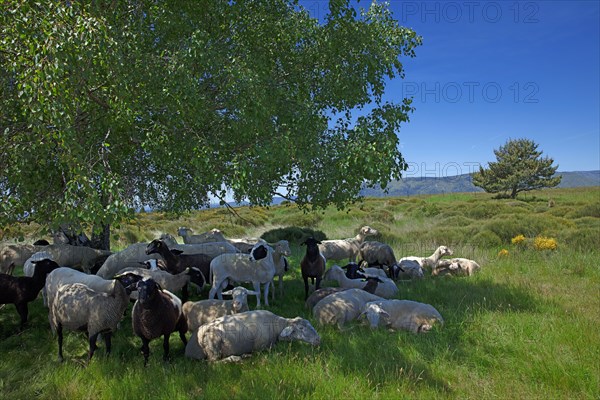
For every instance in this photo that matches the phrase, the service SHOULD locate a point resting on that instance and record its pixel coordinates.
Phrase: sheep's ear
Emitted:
(286, 333)
(252, 293)
(227, 293)
(177, 252)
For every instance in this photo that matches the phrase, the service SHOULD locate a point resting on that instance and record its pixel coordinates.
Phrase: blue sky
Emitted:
(492, 70)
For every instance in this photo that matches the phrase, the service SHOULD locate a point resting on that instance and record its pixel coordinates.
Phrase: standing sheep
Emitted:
(402, 315)
(171, 282)
(231, 336)
(63, 275)
(386, 289)
(130, 257)
(312, 264)
(15, 255)
(77, 307)
(157, 313)
(24, 289)
(203, 311)
(341, 249)
(341, 307)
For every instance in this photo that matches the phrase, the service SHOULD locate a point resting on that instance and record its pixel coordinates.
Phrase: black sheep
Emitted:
(312, 264)
(24, 289)
(157, 313)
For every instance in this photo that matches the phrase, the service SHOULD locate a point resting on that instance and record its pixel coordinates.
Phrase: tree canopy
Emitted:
(109, 106)
(519, 167)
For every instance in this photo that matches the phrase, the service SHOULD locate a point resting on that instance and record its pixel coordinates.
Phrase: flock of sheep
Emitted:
(90, 289)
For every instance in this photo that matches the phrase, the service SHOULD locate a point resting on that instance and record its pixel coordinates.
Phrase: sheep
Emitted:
(355, 271)
(176, 261)
(402, 315)
(64, 275)
(76, 306)
(456, 266)
(203, 311)
(386, 289)
(345, 248)
(258, 268)
(29, 266)
(213, 235)
(211, 249)
(130, 257)
(312, 264)
(79, 257)
(15, 255)
(157, 313)
(171, 282)
(281, 267)
(431, 261)
(381, 255)
(318, 295)
(24, 289)
(410, 269)
(341, 307)
(229, 337)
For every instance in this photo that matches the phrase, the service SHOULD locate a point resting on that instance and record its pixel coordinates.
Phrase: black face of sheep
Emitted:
(353, 271)
(258, 253)
(129, 281)
(197, 277)
(156, 246)
(147, 290)
(312, 264)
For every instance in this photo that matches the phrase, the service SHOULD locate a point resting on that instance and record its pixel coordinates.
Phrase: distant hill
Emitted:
(463, 183)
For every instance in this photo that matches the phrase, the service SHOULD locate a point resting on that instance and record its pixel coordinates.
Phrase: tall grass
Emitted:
(525, 326)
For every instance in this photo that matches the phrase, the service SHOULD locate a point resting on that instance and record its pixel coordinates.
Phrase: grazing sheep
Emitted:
(386, 289)
(318, 295)
(341, 249)
(431, 261)
(341, 307)
(77, 307)
(171, 282)
(456, 266)
(15, 255)
(312, 264)
(24, 289)
(402, 315)
(201, 312)
(63, 275)
(229, 337)
(258, 268)
(157, 313)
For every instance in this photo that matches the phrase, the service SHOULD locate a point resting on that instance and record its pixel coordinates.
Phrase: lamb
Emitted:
(24, 289)
(15, 255)
(229, 337)
(171, 282)
(456, 266)
(346, 248)
(204, 311)
(258, 268)
(157, 313)
(318, 295)
(402, 315)
(386, 289)
(339, 308)
(77, 306)
(312, 264)
(431, 261)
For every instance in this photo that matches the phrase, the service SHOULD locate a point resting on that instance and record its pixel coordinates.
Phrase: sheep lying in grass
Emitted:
(341, 307)
(456, 266)
(203, 311)
(430, 262)
(312, 264)
(229, 337)
(371, 283)
(24, 289)
(340, 249)
(258, 268)
(387, 288)
(402, 315)
(157, 313)
(355, 271)
(77, 307)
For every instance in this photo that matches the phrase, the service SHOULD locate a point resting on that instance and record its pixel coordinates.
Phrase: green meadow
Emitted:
(525, 326)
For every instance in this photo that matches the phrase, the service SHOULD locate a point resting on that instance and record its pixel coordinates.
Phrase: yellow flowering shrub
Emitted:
(503, 253)
(517, 239)
(544, 243)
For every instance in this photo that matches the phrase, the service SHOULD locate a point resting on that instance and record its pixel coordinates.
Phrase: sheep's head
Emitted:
(156, 246)
(129, 280)
(352, 270)
(44, 267)
(374, 314)
(444, 251)
(196, 276)
(147, 290)
(300, 329)
(368, 231)
(283, 248)
(240, 297)
(183, 231)
(310, 242)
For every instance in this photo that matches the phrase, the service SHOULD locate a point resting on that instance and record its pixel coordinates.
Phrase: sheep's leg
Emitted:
(256, 286)
(145, 350)
(272, 287)
(108, 342)
(280, 286)
(23, 313)
(59, 333)
(305, 287)
(182, 328)
(92, 339)
(166, 347)
(184, 293)
(266, 289)
(318, 284)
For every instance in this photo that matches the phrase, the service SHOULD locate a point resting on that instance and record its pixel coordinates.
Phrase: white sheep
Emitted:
(130, 257)
(341, 307)
(76, 305)
(78, 257)
(340, 249)
(401, 315)
(15, 255)
(410, 269)
(386, 289)
(431, 261)
(200, 312)
(229, 337)
(456, 266)
(258, 267)
(213, 235)
(64, 275)
(211, 249)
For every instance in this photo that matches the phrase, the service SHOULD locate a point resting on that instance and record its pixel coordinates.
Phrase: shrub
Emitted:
(517, 239)
(292, 234)
(309, 219)
(487, 239)
(544, 243)
(503, 253)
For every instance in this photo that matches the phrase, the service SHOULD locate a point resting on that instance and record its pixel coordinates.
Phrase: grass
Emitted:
(525, 326)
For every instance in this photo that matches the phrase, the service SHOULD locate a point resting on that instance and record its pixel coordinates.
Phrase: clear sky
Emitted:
(492, 70)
